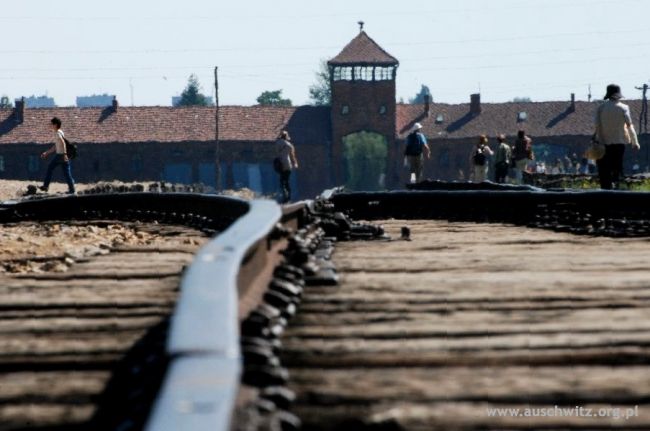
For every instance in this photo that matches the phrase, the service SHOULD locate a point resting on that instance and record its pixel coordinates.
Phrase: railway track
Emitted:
(180, 325)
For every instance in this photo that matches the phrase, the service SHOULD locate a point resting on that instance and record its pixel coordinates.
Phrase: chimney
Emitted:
(475, 103)
(573, 102)
(19, 110)
(115, 104)
(427, 105)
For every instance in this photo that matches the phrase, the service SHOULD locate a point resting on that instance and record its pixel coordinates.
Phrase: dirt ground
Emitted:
(13, 189)
(54, 247)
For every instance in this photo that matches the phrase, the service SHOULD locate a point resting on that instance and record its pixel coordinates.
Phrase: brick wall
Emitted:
(186, 162)
(364, 100)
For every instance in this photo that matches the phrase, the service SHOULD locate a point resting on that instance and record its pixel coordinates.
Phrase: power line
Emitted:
(643, 117)
(518, 65)
(311, 48)
(223, 17)
(284, 65)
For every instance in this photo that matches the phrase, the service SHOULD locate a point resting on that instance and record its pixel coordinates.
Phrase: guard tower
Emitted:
(363, 114)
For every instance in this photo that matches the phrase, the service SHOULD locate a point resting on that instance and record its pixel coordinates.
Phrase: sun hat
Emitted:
(613, 92)
(417, 126)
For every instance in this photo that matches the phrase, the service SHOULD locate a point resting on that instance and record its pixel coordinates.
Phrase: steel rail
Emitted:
(203, 378)
(225, 281)
(490, 205)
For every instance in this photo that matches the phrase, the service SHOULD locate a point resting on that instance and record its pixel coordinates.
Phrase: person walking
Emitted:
(521, 155)
(415, 151)
(614, 129)
(60, 158)
(479, 159)
(502, 160)
(284, 162)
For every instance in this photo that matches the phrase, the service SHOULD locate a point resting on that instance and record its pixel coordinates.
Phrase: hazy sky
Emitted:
(542, 49)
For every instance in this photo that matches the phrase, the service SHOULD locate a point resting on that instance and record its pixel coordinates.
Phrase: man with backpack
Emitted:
(480, 159)
(416, 147)
(61, 158)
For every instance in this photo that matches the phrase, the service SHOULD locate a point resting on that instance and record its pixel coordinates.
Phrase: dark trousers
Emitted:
(610, 167)
(285, 185)
(67, 172)
(501, 172)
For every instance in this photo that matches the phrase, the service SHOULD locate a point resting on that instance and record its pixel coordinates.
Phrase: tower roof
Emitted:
(363, 50)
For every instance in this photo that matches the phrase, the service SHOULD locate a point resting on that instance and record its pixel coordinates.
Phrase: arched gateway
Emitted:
(365, 156)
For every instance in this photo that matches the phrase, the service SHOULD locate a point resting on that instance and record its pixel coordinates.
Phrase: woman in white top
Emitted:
(60, 158)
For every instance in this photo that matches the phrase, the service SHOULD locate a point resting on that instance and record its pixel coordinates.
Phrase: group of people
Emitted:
(613, 132)
(505, 157)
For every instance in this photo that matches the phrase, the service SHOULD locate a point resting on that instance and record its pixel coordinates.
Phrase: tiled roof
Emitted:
(363, 50)
(306, 124)
(543, 119)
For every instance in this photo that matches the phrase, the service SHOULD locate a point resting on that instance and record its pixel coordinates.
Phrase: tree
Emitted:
(192, 96)
(273, 98)
(419, 98)
(521, 99)
(5, 102)
(320, 92)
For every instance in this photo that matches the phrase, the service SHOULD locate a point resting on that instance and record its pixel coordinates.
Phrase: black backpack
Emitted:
(479, 158)
(413, 145)
(70, 149)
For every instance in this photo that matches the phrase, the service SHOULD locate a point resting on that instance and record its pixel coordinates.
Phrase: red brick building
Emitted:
(357, 141)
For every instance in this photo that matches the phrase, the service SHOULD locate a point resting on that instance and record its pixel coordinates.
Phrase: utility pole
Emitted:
(589, 95)
(131, 87)
(643, 118)
(216, 129)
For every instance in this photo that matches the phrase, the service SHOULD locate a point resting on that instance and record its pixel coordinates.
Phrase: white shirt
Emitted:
(59, 143)
(611, 119)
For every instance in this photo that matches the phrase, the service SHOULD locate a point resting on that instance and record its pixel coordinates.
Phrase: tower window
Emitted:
(382, 109)
(522, 116)
(342, 73)
(345, 110)
(362, 73)
(384, 73)
(440, 119)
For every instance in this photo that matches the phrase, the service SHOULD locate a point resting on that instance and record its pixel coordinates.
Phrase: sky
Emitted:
(143, 51)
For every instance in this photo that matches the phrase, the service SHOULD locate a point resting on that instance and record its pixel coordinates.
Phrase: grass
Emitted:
(591, 182)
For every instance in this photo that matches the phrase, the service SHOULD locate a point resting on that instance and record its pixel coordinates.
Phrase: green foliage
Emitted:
(320, 93)
(5, 102)
(192, 96)
(419, 98)
(365, 155)
(591, 182)
(273, 98)
(522, 100)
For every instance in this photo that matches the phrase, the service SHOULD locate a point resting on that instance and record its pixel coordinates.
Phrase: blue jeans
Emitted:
(67, 173)
(285, 185)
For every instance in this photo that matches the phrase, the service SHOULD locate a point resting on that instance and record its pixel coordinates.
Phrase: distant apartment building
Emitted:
(39, 102)
(95, 101)
(177, 99)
